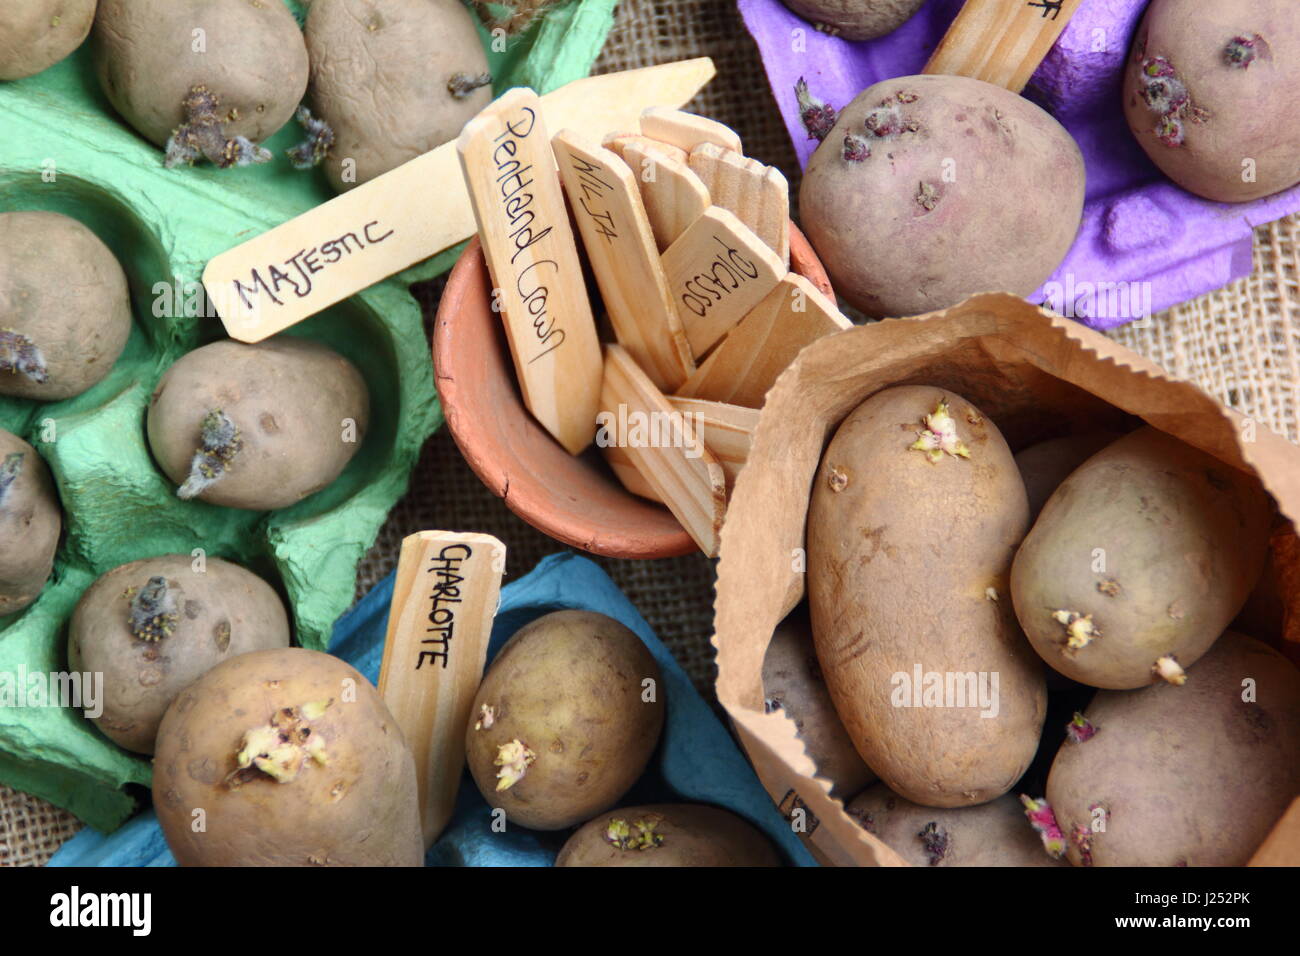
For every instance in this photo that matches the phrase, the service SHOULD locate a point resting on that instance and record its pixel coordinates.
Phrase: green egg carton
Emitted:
(64, 149)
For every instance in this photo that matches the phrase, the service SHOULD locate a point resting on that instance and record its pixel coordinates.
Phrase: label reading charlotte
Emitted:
(294, 274)
(444, 598)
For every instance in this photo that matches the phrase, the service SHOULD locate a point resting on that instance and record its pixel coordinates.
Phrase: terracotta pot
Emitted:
(577, 501)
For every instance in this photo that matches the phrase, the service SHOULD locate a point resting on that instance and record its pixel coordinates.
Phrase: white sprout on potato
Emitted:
(513, 758)
(10, 469)
(203, 136)
(19, 355)
(219, 442)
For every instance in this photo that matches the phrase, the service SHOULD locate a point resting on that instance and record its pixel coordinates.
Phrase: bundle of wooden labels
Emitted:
(688, 241)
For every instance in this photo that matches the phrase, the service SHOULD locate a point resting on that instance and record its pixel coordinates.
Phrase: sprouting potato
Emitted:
(392, 79)
(65, 307)
(565, 720)
(916, 510)
(674, 834)
(30, 524)
(206, 79)
(290, 758)
(260, 426)
(1139, 561)
(153, 627)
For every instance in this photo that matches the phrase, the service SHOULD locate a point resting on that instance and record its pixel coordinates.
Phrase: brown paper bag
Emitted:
(1037, 376)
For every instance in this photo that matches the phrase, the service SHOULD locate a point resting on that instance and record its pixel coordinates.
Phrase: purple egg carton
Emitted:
(1145, 244)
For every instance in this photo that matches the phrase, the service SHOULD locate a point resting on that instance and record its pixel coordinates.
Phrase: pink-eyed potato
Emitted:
(1209, 93)
(1184, 776)
(929, 189)
(992, 834)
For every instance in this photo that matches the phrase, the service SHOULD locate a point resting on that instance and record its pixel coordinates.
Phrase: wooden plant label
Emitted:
(299, 268)
(766, 341)
(625, 471)
(621, 249)
(1001, 41)
(636, 417)
(759, 195)
(727, 430)
(444, 600)
(686, 130)
(718, 271)
(618, 143)
(532, 257)
(674, 196)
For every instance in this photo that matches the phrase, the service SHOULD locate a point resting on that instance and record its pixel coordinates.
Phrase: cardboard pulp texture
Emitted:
(64, 149)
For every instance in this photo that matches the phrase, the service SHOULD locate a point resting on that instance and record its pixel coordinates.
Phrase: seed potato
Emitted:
(30, 524)
(856, 19)
(1209, 93)
(1139, 560)
(993, 834)
(65, 307)
(394, 79)
(150, 54)
(671, 834)
(1184, 776)
(916, 511)
(36, 34)
(561, 727)
(153, 627)
(293, 760)
(793, 683)
(929, 189)
(260, 426)
(1045, 465)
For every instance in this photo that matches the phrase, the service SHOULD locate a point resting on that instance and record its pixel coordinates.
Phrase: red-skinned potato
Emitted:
(929, 189)
(1184, 776)
(992, 834)
(289, 758)
(856, 19)
(1209, 93)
